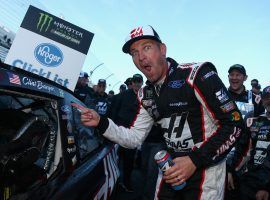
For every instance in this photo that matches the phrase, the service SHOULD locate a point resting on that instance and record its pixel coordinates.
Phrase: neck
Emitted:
(167, 65)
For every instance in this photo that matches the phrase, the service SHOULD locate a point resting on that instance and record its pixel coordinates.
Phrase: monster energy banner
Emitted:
(50, 47)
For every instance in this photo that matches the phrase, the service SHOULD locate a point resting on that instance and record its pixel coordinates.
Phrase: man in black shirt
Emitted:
(245, 100)
(102, 102)
(124, 108)
(83, 91)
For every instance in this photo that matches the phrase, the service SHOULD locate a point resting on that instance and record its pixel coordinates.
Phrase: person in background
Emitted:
(128, 83)
(102, 103)
(193, 108)
(95, 88)
(255, 87)
(246, 101)
(253, 148)
(124, 110)
(83, 92)
(254, 82)
(111, 94)
(122, 88)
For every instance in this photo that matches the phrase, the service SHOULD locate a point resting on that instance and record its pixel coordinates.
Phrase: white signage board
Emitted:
(50, 47)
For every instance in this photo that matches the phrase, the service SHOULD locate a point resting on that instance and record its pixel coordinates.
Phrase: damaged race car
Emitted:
(45, 151)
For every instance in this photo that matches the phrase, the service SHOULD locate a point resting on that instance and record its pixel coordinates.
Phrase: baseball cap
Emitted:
(128, 81)
(111, 92)
(266, 92)
(83, 74)
(255, 80)
(146, 32)
(123, 87)
(102, 81)
(239, 68)
(137, 77)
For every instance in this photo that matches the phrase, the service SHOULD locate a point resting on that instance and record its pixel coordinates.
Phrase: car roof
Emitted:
(20, 79)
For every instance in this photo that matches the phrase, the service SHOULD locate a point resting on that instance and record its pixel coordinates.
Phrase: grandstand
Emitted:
(6, 39)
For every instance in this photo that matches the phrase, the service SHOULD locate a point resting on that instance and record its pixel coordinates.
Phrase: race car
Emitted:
(45, 151)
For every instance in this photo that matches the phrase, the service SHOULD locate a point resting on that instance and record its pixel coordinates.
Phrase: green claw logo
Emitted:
(44, 21)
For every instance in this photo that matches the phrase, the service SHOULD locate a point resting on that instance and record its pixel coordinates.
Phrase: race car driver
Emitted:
(200, 122)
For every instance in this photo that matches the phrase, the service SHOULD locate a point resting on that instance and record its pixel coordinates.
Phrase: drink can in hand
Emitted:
(164, 161)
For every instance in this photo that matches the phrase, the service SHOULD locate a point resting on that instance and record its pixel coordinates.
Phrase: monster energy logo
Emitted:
(44, 21)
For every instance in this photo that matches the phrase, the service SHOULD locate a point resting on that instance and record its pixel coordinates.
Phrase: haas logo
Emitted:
(136, 32)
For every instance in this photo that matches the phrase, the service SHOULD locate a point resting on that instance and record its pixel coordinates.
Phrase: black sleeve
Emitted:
(115, 106)
(217, 104)
(236, 158)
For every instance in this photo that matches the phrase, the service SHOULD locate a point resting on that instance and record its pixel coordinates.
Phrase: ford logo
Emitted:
(176, 83)
(48, 55)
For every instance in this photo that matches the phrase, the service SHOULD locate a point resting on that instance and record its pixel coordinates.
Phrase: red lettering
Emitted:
(136, 32)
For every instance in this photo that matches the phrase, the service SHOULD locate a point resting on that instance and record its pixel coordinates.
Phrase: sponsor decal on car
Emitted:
(112, 174)
(66, 108)
(70, 139)
(14, 78)
(71, 149)
(26, 81)
(61, 93)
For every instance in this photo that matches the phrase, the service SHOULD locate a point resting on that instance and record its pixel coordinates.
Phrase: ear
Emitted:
(245, 77)
(163, 49)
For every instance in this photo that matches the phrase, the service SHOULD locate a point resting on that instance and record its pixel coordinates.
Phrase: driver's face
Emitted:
(149, 57)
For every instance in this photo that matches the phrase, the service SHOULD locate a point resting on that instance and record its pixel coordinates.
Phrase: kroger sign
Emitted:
(48, 54)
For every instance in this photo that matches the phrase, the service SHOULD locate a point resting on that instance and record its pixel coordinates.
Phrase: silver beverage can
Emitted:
(164, 161)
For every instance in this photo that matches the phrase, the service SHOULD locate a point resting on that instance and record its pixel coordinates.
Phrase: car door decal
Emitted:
(111, 172)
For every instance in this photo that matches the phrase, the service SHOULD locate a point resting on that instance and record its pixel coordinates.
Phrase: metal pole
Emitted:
(92, 71)
(116, 84)
(109, 76)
